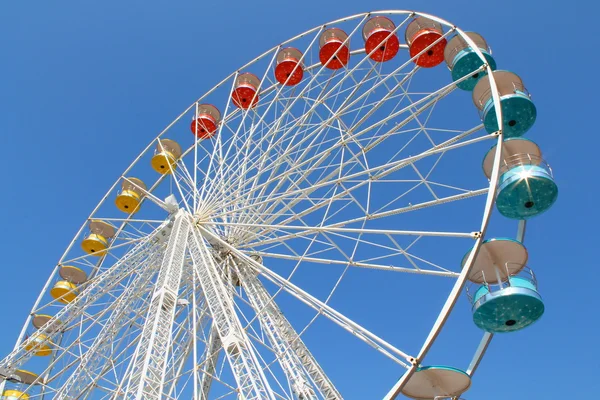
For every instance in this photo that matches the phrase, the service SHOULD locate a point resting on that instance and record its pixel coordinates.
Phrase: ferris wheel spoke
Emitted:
(390, 252)
(294, 185)
(269, 135)
(288, 346)
(187, 181)
(290, 149)
(217, 147)
(251, 110)
(375, 172)
(270, 156)
(425, 103)
(223, 159)
(337, 86)
(296, 180)
(358, 264)
(381, 214)
(305, 230)
(432, 203)
(341, 320)
(282, 180)
(448, 145)
(241, 159)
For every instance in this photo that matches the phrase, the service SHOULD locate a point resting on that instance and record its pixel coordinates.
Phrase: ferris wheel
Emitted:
(343, 152)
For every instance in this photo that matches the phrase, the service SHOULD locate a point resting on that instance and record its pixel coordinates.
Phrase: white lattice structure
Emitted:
(327, 156)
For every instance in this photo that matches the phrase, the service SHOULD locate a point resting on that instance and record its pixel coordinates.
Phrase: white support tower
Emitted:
(293, 354)
(185, 341)
(211, 357)
(251, 381)
(150, 360)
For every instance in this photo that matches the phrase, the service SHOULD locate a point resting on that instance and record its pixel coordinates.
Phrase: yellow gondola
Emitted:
(38, 346)
(14, 395)
(128, 200)
(64, 291)
(166, 155)
(96, 242)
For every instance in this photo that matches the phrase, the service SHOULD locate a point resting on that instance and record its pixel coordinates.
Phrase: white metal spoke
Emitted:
(341, 320)
(210, 357)
(285, 338)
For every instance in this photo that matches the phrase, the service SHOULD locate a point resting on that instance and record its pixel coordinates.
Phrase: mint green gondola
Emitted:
(462, 60)
(526, 191)
(509, 309)
(518, 111)
(526, 187)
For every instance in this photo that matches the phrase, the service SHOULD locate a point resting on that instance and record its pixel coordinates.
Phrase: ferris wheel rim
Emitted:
(493, 180)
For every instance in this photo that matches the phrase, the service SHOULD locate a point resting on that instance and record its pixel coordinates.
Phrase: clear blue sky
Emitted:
(85, 86)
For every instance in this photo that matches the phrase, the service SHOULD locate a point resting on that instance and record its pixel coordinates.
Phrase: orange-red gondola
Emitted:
(205, 122)
(421, 33)
(245, 92)
(378, 36)
(333, 53)
(288, 70)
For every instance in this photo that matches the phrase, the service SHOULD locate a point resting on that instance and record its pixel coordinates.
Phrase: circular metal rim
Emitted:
(460, 282)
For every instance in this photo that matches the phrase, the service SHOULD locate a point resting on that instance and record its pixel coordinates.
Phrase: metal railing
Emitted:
(522, 159)
(500, 280)
(452, 54)
(486, 96)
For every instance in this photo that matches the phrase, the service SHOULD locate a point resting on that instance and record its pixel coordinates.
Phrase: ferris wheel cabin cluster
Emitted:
(503, 290)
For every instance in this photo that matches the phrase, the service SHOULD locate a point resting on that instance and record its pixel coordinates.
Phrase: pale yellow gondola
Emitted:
(14, 395)
(39, 345)
(166, 155)
(66, 290)
(96, 242)
(132, 190)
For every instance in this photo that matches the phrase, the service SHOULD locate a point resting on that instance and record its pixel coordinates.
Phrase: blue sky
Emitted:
(86, 86)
